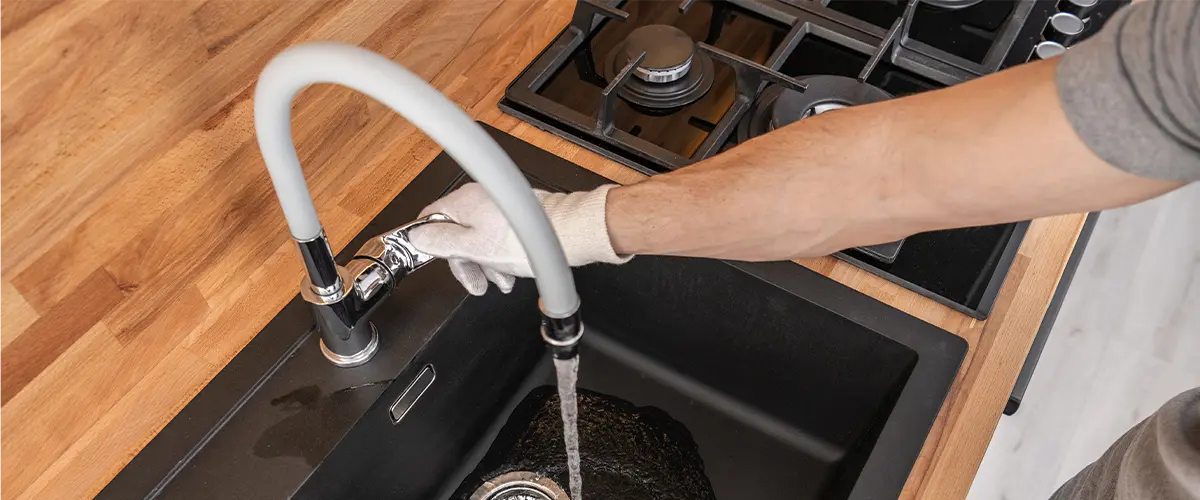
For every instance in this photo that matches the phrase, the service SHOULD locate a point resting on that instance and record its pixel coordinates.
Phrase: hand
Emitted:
(482, 246)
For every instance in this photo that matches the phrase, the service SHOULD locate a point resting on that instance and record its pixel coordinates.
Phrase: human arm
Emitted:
(1000, 148)
(993, 150)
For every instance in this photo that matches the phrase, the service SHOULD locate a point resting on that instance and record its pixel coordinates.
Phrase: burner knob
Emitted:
(1064, 28)
(1080, 8)
(1046, 50)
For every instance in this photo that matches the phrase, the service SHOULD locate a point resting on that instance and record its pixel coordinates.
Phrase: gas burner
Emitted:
(777, 107)
(673, 74)
(669, 52)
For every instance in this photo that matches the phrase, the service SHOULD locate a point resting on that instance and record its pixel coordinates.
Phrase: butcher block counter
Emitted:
(143, 246)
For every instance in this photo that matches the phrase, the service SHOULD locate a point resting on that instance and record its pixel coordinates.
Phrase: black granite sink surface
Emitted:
(790, 384)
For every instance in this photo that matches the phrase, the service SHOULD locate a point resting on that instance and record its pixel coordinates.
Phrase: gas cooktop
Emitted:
(658, 85)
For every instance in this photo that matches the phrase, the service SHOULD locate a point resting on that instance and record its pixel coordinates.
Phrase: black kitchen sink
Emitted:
(784, 398)
(789, 384)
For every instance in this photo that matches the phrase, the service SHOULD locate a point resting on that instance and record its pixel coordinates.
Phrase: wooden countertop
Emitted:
(143, 246)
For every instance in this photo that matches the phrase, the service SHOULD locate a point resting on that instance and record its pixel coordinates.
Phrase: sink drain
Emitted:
(519, 493)
(519, 485)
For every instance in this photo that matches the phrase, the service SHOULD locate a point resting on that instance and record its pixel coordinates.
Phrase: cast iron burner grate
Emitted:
(590, 85)
(658, 85)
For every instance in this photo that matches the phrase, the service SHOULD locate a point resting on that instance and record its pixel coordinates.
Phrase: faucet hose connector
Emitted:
(562, 335)
(323, 276)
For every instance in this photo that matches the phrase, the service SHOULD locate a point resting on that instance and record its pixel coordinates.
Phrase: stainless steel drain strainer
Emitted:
(520, 485)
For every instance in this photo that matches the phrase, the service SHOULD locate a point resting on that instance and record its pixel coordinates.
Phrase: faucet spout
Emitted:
(343, 297)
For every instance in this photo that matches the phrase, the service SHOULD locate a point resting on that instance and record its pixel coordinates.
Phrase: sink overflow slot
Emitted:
(412, 393)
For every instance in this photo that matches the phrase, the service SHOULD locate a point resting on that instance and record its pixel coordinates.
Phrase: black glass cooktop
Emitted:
(659, 84)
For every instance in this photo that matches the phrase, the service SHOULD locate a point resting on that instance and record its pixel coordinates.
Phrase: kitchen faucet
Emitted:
(343, 298)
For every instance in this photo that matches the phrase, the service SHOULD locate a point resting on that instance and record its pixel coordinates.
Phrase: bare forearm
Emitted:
(993, 150)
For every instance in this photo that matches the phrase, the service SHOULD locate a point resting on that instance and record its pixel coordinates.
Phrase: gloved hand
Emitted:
(482, 246)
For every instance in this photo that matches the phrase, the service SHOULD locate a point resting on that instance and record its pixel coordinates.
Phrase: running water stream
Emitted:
(567, 371)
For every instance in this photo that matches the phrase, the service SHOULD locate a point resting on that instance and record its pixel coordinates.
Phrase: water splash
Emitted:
(567, 371)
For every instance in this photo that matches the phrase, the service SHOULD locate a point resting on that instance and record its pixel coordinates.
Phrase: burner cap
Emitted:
(668, 49)
(825, 93)
(791, 106)
(777, 107)
(673, 74)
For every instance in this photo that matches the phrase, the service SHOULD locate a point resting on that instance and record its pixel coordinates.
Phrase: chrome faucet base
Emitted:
(343, 298)
(354, 359)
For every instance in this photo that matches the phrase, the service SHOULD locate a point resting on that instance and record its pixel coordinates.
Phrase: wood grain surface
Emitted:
(143, 247)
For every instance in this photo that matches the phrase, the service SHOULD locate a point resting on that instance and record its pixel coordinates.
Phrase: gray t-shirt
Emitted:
(1158, 459)
(1132, 93)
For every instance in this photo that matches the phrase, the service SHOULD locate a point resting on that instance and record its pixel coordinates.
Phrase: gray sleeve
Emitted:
(1132, 92)
(1157, 459)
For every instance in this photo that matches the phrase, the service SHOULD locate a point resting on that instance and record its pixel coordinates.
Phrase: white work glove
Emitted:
(482, 246)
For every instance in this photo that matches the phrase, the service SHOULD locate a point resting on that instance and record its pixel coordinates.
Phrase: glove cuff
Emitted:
(580, 221)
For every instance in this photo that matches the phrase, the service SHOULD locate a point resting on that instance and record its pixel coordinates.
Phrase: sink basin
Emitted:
(784, 398)
(790, 384)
